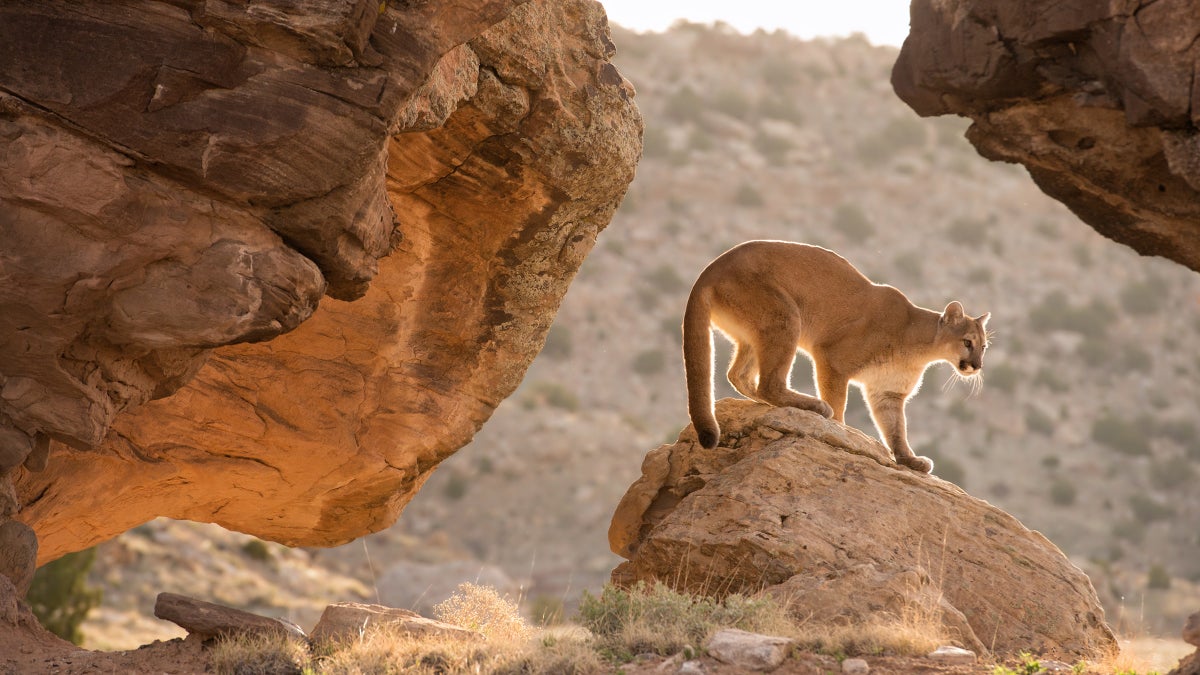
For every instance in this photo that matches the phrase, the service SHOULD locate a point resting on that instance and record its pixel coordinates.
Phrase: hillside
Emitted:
(1084, 429)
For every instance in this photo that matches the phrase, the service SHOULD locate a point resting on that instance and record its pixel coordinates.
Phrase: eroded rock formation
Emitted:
(819, 514)
(1096, 99)
(181, 184)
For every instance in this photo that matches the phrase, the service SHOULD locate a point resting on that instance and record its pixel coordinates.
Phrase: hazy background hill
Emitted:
(1084, 430)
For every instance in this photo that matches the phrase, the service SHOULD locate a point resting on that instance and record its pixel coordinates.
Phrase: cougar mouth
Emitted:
(966, 368)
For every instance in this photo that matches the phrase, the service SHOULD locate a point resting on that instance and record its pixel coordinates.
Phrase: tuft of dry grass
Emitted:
(260, 655)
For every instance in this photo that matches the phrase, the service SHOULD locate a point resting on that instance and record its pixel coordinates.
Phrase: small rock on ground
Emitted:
(952, 655)
(855, 667)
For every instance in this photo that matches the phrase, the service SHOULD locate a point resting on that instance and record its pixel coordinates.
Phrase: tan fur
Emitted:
(771, 298)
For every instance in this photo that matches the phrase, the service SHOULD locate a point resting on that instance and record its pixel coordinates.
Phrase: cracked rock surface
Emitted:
(266, 265)
(819, 515)
(1096, 99)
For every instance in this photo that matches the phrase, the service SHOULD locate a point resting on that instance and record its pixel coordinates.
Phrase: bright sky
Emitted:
(884, 22)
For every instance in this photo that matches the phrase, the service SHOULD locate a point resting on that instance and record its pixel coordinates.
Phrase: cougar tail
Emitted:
(698, 366)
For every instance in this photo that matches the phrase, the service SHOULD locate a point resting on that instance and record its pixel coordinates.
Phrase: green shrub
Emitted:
(1172, 473)
(967, 232)
(851, 220)
(910, 265)
(1002, 376)
(781, 108)
(1148, 296)
(1038, 421)
(899, 134)
(553, 394)
(1062, 492)
(1054, 312)
(1046, 377)
(1121, 435)
(773, 148)
(257, 549)
(649, 362)
(666, 279)
(731, 102)
(1158, 579)
(1130, 531)
(558, 343)
(60, 596)
(1148, 510)
(684, 105)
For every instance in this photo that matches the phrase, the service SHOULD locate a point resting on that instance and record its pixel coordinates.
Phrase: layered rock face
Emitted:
(819, 514)
(182, 183)
(1096, 99)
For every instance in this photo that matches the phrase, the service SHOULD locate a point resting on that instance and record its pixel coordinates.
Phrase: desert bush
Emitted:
(1158, 579)
(1129, 530)
(781, 108)
(1172, 473)
(482, 609)
(552, 394)
(60, 596)
(748, 196)
(967, 232)
(1147, 296)
(899, 134)
(699, 140)
(779, 73)
(851, 220)
(257, 549)
(684, 105)
(731, 102)
(910, 265)
(1002, 376)
(1120, 434)
(649, 362)
(558, 343)
(1055, 312)
(1046, 377)
(1148, 509)
(1062, 492)
(980, 276)
(1038, 421)
(666, 279)
(773, 148)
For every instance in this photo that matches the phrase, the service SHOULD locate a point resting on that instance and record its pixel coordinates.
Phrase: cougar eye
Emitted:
(967, 344)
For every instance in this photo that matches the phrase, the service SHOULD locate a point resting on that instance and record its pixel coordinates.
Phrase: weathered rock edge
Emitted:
(518, 149)
(1094, 98)
(819, 514)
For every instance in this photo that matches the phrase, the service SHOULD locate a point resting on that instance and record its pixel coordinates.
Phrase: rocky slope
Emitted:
(1084, 427)
(439, 172)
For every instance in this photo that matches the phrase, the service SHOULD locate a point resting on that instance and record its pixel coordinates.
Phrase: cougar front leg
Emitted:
(887, 410)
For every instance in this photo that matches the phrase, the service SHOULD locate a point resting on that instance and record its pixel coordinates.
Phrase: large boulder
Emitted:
(1096, 99)
(820, 515)
(183, 182)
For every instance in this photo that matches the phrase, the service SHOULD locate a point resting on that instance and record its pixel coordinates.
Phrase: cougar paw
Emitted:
(822, 408)
(922, 464)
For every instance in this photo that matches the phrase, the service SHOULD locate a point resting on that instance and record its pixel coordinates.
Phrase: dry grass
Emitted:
(915, 634)
(260, 655)
(619, 625)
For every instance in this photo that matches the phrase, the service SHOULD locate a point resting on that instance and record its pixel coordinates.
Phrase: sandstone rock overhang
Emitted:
(819, 514)
(1096, 99)
(181, 184)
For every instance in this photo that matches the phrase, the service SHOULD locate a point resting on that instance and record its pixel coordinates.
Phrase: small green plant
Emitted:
(1158, 578)
(967, 232)
(257, 549)
(552, 394)
(1004, 377)
(666, 279)
(1038, 422)
(60, 596)
(1148, 509)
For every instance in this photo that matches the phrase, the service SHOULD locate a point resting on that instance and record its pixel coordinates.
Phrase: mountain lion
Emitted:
(772, 297)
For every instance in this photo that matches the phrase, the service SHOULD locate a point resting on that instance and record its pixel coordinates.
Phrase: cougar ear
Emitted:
(952, 313)
(983, 319)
